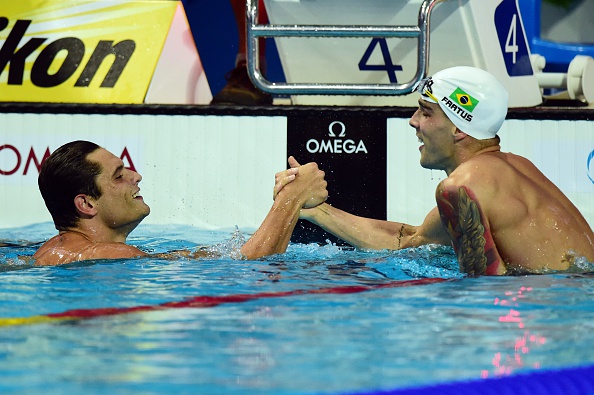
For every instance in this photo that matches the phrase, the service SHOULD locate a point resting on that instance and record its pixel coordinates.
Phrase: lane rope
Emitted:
(208, 301)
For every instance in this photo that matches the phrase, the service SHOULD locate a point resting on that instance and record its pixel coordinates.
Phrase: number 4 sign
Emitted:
(512, 39)
(388, 66)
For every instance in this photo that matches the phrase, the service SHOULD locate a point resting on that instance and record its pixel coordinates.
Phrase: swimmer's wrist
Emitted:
(311, 214)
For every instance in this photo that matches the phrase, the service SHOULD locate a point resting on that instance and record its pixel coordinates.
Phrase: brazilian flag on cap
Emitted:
(464, 100)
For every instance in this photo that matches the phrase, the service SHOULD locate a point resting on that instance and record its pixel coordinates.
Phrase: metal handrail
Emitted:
(256, 31)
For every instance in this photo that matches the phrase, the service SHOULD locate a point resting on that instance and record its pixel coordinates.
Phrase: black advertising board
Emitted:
(351, 149)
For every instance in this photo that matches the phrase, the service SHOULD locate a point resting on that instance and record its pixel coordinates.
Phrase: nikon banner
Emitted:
(81, 51)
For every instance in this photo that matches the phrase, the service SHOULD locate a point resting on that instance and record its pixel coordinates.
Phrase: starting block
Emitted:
(364, 53)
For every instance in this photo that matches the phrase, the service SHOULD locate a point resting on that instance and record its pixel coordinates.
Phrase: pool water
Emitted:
(318, 319)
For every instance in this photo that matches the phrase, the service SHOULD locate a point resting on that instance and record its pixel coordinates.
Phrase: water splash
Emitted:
(311, 251)
(229, 249)
(580, 265)
(17, 253)
(425, 261)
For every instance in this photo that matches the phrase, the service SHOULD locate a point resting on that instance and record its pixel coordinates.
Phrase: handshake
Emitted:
(305, 183)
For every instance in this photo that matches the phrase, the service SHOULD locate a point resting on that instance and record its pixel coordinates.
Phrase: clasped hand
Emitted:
(306, 183)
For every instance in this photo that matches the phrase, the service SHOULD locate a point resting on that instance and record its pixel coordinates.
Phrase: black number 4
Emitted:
(388, 66)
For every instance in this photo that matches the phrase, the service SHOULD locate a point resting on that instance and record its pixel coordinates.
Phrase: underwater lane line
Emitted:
(208, 301)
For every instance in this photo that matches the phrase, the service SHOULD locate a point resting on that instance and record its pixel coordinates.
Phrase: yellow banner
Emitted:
(81, 51)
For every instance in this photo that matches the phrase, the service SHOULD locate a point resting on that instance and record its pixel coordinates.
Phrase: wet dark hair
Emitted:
(64, 174)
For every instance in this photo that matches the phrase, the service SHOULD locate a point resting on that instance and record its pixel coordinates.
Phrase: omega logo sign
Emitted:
(11, 160)
(336, 144)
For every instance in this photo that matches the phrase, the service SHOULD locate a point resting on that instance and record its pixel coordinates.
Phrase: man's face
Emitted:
(120, 205)
(436, 134)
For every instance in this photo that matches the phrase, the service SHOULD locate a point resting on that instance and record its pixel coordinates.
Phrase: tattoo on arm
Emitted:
(400, 236)
(470, 234)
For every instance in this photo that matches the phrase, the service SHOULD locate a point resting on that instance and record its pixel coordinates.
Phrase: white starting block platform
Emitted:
(488, 34)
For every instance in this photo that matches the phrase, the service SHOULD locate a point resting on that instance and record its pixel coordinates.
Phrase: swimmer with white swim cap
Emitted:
(473, 99)
(498, 211)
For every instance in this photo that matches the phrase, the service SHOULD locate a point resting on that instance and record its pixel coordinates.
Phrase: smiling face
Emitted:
(436, 134)
(120, 205)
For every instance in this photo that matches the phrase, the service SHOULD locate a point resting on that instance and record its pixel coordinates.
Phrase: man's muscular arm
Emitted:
(367, 233)
(462, 217)
(376, 234)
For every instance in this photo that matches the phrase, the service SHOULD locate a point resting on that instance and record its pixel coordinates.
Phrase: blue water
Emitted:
(464, 328)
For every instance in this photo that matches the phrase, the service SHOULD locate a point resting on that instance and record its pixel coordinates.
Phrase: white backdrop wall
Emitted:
(208, 171)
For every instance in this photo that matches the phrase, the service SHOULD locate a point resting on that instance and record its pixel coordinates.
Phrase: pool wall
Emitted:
(215, 168)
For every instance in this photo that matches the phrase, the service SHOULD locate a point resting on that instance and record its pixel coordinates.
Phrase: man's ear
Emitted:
(459, 135)
(85, 206)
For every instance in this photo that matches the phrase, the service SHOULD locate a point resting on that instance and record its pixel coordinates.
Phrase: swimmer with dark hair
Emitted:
(95, 203)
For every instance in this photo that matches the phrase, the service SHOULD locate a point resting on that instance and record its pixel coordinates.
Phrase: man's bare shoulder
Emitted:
(490, 173)
(483, 164)
(71, 247)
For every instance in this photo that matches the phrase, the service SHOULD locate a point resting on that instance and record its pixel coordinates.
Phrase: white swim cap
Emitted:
(473, 99)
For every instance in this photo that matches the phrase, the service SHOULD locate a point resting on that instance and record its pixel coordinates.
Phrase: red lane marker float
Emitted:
(210, 301)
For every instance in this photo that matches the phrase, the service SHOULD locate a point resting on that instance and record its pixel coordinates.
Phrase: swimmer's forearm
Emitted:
(360, 232)
(273, 236)
(177, 254)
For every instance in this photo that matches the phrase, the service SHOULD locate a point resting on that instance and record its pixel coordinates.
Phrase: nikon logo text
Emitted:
(15, 55)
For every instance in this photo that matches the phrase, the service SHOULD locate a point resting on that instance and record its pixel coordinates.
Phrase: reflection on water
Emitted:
(507, 361)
